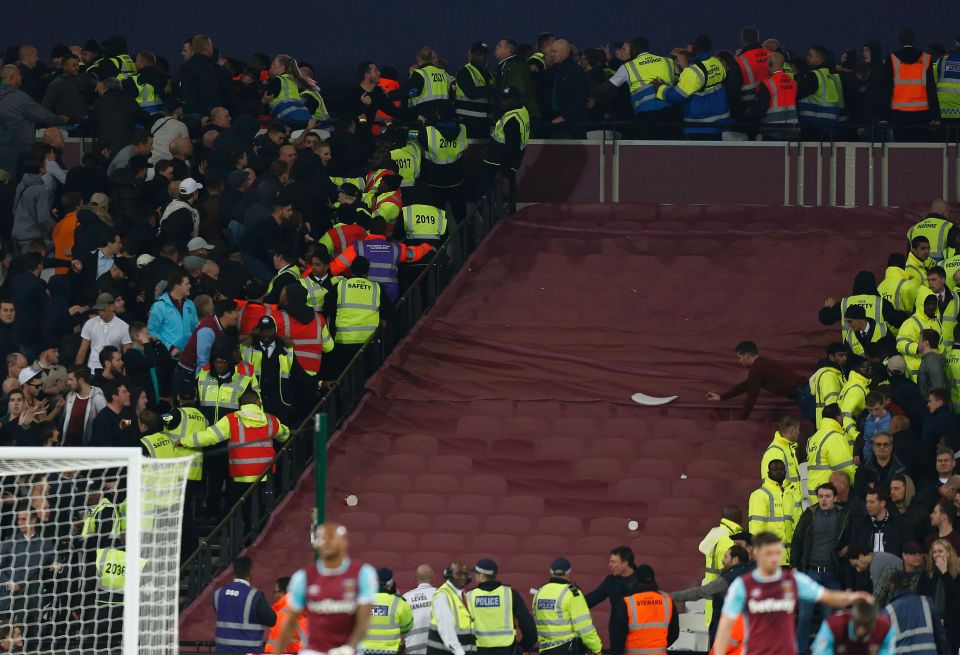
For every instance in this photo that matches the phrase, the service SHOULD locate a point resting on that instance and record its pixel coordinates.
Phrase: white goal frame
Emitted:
(131, 459)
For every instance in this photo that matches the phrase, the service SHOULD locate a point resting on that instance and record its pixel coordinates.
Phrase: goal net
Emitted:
(90, 550)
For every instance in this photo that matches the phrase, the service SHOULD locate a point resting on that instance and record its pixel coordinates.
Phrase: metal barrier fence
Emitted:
(246, 519)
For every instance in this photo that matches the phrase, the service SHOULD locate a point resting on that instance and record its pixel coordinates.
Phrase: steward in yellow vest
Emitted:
(784, 448)
(865, 294)
(828, 451)
(937, 228)
(451, 623)
(948, 304)
(908, 338)
(716, 544)
(561, 615)
(496, 608)
(827, 381)
(390, 618)
(898, 288)
(853, 400)
(772, 506)
(918, 260)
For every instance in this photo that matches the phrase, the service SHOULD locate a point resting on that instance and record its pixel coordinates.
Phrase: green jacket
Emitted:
(515, 72)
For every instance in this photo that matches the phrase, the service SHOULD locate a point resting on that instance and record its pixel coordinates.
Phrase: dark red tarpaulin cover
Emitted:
(503, 426)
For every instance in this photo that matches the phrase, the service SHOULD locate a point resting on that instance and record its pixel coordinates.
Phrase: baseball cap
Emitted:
(855, 312)
(897, 364)
(561, 566)
(198, 243)
(486, 566)
(103, 300)
(91, 46)
(189, 186)
(479, 48)
(143, 260)
(27, 373)
(913, 548)
(266, 322)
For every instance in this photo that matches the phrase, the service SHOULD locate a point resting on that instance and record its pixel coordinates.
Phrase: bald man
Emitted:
(568, 92)
(19, 114)
(336, 593)
(420, 599)
(776, 102)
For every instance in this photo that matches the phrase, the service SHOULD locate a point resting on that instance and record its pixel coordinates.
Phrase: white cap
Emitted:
(190, 186)
(198, 243)
(143, 260)
(27, 373)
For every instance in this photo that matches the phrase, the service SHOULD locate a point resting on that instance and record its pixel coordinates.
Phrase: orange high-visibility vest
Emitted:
(251, 446)
(910, 84)
(388, 86)
(273, 638)
(783, 98)
(735, 645)
(308, 340)
(649, 619)
(753, 69)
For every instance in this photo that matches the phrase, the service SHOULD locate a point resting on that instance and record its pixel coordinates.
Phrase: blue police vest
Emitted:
(912, 619)
(238, 630)
(383, 257)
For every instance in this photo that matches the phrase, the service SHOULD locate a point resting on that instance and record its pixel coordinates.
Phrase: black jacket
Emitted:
(568, 96)
(115, 115)
(125, 195)
(204, 85)
(620, 621)
(871, 475)
(863, 528)
(803, 538)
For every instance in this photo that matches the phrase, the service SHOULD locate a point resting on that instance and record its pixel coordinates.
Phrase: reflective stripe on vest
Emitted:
(158, 445)
(647, 629)
(441, 150)
(872, 306)
(146, 94)
(783, 99)
(642, 70)
(424, 222)
(824, 104)
(226, 396)
(383, 633)
(947, 73)
(246, 624)
(92, 519)
(381, 272)
(910, 84)
(358, 310)
(320, 113)
(436, 86)
(493, 616)
(752, 64)
(771, 516)
(462, 622)
(820, 466)
(522, 116)
(251, 452)
(711, 81)
(472, 107)
(914, 640)
(408, 163)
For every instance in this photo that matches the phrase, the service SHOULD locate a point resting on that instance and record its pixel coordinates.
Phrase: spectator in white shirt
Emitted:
(105, 329)
(167, 129)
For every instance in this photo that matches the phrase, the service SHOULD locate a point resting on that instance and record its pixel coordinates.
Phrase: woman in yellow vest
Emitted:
(285, 88)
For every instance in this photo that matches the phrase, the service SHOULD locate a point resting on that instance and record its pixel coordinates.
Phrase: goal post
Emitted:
(90, 549)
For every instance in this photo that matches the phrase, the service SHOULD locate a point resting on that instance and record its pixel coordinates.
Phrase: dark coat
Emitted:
(116, 115)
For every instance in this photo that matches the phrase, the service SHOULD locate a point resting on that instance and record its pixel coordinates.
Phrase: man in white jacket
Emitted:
(83, 404)
(421, 602)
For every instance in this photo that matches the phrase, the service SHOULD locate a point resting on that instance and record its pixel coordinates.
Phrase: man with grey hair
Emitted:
(420, 599)
(19, 115)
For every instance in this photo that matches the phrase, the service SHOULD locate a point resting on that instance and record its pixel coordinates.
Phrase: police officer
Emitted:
(561, 615)
(428, 87)
(390, 618)
(495, 606)
(819, 93)
(647, 621)
(919, 629)
(946, 71)
(451, 624)
(241, 620)
(274, 366)
(474, 89)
